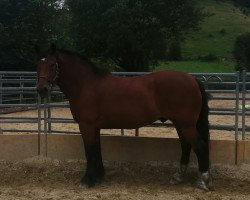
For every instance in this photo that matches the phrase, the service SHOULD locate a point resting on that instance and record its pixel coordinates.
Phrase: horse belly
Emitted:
(131, 122)
(129, 114)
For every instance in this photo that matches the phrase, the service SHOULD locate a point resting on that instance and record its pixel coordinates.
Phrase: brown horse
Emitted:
(101, 100)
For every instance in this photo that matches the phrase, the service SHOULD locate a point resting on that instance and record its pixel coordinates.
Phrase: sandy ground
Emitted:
(42, 178)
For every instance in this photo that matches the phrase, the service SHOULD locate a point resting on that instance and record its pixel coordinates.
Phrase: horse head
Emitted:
(47, 69)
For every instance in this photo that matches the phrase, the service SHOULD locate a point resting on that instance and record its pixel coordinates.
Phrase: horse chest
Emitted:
(84, 111)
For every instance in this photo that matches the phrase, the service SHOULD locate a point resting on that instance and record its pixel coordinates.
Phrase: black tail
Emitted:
(203, 123)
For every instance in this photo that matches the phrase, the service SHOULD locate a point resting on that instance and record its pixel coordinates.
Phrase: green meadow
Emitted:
(196, 66)
(216, 37)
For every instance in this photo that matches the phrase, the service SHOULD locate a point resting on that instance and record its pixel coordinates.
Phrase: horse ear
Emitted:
(53, 48)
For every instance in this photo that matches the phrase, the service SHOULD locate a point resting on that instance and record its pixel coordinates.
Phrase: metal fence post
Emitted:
(39, 119)
(137, 132)
(1, 92)
(21, 85)
(237, 91)
(45, 126)
(243, 104)
(236, 116)
(49, 114)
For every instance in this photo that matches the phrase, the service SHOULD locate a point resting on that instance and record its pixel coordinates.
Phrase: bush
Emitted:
(241, 52)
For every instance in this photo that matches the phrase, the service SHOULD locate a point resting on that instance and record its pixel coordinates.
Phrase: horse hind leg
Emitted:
(191, 136)
(180, 175)
(201, 149)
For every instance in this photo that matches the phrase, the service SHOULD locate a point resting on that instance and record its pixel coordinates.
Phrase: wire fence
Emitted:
(18, 90)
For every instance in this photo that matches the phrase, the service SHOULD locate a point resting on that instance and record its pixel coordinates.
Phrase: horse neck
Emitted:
(73, 75)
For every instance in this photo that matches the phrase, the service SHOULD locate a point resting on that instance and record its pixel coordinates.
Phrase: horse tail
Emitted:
(203, 123)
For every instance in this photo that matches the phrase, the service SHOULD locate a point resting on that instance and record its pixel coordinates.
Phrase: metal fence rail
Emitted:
(24, 81)
(21, 84)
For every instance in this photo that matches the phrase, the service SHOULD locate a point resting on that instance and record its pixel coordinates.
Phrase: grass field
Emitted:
(218, 32)
(196, 66)
(216, 36)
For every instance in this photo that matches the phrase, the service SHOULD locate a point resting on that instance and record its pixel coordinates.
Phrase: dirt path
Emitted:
(40, 178)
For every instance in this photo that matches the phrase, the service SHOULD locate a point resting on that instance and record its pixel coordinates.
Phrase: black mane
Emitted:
(98, 70)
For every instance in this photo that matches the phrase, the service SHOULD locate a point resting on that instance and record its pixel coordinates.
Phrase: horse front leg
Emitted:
(95, 170)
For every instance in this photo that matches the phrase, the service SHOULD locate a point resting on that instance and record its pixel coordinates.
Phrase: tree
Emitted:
(23, 23)
(241, 52)
(174, 50)
(132, 33)
(245, 3)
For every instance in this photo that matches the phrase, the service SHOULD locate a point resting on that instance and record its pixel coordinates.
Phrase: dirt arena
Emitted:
(42, 178)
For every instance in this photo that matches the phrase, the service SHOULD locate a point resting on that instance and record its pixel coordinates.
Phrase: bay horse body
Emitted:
(101, 100)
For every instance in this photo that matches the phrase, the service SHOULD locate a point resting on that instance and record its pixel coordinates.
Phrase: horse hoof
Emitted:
(177, 179)
(88, 182)
(179, 176)
(83, 186)
(203, 186)
(204, 182)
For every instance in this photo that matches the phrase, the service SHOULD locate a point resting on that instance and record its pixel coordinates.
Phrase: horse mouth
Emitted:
(44, 93)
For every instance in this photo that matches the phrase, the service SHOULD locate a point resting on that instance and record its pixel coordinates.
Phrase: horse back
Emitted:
(129, 102)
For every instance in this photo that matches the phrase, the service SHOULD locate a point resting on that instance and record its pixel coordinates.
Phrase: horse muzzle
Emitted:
(43, 91)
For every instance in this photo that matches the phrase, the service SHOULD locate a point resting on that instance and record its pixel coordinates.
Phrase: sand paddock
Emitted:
(42, 178)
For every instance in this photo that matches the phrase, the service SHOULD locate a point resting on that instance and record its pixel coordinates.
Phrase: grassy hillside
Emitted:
(218, 32)
(216, 36)
(196, 66)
